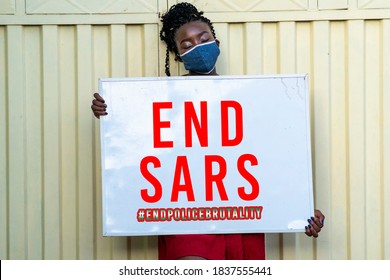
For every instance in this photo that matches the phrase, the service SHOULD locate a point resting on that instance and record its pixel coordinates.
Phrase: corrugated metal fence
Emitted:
(50, 189)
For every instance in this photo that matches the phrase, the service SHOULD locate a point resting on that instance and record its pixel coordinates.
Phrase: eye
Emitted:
(186, 46)
(205, 38)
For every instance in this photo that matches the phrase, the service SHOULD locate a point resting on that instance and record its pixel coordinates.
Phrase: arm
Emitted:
(98, 106)
(315, 224)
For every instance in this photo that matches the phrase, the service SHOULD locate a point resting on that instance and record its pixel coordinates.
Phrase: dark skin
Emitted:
(188, 36)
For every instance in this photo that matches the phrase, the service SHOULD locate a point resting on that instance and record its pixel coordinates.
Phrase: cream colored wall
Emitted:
(53, 52)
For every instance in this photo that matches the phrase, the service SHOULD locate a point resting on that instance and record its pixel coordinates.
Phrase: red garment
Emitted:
(212, 246)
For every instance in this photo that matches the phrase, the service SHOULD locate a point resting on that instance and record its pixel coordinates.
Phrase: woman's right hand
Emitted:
(98, 106)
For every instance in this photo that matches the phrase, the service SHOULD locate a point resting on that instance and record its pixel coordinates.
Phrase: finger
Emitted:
(318, 214)
(314, 233)
(98, 97)
(99, 103)
(307, 231)
(98, 108)
(310, 231)
(317, 222)
(98, 111)
(99, 114)
(313, 225)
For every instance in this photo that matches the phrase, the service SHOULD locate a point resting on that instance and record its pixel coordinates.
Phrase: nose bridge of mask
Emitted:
(197, 46)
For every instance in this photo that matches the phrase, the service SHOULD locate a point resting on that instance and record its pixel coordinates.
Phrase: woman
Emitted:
(191, 38)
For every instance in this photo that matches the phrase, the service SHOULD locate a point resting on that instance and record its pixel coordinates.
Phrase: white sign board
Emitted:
(213, 154)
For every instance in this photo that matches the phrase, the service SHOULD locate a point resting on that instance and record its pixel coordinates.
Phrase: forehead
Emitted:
(191, 29)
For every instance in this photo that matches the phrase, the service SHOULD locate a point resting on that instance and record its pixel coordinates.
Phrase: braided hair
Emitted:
(177, 16)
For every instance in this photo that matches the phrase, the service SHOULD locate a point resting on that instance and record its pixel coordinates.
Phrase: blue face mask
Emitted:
(201, 58)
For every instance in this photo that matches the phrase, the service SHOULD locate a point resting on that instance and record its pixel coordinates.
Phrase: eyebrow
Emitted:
(200, 34)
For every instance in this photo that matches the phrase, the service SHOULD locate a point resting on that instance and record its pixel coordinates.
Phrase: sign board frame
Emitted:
(272, 149)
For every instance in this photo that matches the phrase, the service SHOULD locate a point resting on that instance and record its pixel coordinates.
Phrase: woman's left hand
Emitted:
(315, 224)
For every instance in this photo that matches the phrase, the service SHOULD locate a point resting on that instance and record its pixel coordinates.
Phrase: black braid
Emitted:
(177, 16)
